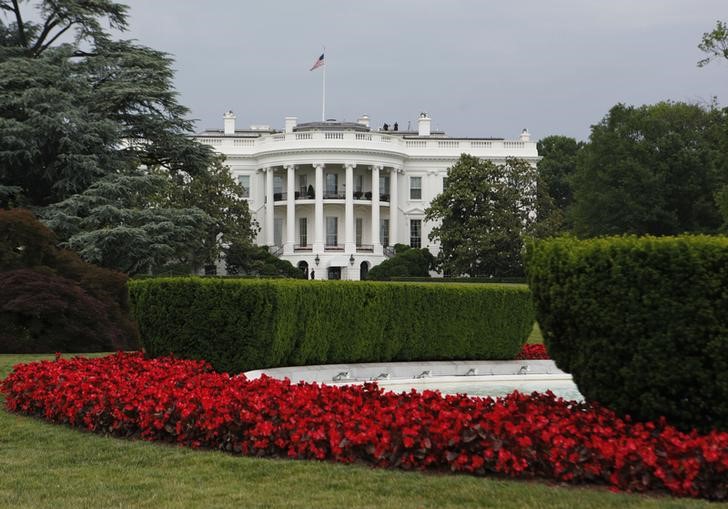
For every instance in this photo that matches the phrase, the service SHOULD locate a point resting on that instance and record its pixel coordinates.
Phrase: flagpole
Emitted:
(323, 93)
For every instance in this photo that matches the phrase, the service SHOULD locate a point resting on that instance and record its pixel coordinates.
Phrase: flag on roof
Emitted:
(318, 63)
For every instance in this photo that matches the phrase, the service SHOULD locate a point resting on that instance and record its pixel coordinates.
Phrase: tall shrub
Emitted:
(640, 323)
(245, 324)
(51, 300)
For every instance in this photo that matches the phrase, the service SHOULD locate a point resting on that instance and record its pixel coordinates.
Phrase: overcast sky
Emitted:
(480, 68)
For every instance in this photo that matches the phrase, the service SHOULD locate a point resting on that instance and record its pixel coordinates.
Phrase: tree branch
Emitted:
(21, 25)
(49, 24)
(60, 33)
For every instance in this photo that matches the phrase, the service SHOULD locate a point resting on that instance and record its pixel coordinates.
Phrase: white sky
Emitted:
(480, 68)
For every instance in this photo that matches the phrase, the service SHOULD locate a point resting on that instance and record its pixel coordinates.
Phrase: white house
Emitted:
(332, 197)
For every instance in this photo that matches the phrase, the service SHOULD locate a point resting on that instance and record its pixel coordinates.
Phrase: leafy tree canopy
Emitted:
(81, 113)
(484, 213)
(556, 170)
(653, 169)
(714, 44)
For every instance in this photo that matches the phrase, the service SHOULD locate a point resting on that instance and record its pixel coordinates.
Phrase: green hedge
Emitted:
(239, 325)
(640, 323)
(490, 280)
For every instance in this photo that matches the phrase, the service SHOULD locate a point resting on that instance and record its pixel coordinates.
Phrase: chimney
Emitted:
(291, 123)
(229, 122)
(363, 120)
(423, 124)
(525, 135)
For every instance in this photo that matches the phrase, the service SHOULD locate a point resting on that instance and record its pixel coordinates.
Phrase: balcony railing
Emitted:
(328, 195)
(371, 141)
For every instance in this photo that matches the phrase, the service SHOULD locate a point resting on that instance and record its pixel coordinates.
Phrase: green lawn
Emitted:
(44, 465)
(535, 336)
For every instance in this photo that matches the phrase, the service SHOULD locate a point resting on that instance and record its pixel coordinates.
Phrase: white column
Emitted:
(375, 210)
(269, 206)
(349, 237)
(393, 206)
(318, 228)
(290, 210)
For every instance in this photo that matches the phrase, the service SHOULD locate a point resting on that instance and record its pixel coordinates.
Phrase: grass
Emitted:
(45, 465)
(535, 337)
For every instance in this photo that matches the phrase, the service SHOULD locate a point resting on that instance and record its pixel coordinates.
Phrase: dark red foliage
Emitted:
(50, 299)
(43, 312)
(539, 435)
(532, 352)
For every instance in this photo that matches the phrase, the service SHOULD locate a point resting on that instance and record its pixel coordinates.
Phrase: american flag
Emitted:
(318, 63)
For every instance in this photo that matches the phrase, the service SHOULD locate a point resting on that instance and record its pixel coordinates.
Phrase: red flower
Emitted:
(185, 402)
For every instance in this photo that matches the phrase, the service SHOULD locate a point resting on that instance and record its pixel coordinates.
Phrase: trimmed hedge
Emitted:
(446, 279)
(640, 323)
(239, 325)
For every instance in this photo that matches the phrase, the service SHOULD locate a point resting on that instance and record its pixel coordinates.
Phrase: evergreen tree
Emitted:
(79, 118)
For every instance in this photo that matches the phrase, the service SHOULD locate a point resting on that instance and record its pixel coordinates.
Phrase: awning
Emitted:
(339, 261)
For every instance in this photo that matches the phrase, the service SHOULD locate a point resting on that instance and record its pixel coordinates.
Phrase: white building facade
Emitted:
(333, 197)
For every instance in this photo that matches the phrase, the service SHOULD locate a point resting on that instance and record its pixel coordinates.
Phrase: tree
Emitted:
(714, 44)
(484, 213)
(92, 112)
(556, 170)
(652, 169)
(406, 262)
(118, 223)
(50, 300)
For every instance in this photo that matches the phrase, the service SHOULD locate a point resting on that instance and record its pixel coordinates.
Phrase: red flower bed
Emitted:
(532, 352)
(521, 436)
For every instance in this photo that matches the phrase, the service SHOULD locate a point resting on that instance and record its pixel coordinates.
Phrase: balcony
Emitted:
(331, 195)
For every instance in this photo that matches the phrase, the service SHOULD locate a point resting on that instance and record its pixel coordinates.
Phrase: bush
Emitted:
(407, 261)
(51, 300)
(258, 261)
(640, 323)
(244, 324)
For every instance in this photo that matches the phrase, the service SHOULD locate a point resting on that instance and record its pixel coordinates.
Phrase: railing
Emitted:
(358, 195)
(303, 247)
(333, 247)
(388, 251)
(369, 140)
(365, 248)
(276, 250)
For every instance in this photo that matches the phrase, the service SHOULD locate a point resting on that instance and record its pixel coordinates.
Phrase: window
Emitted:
(415, 188)
(384, 232)
(416, 233)
(277, 184)
(444, 183)
(332, 226)
(278, 231)
(384, 187)
(303, 184)
(384, 184)
(358, 183)
(359, 230)
(303, 231)
(331, 185)
(244, 181)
